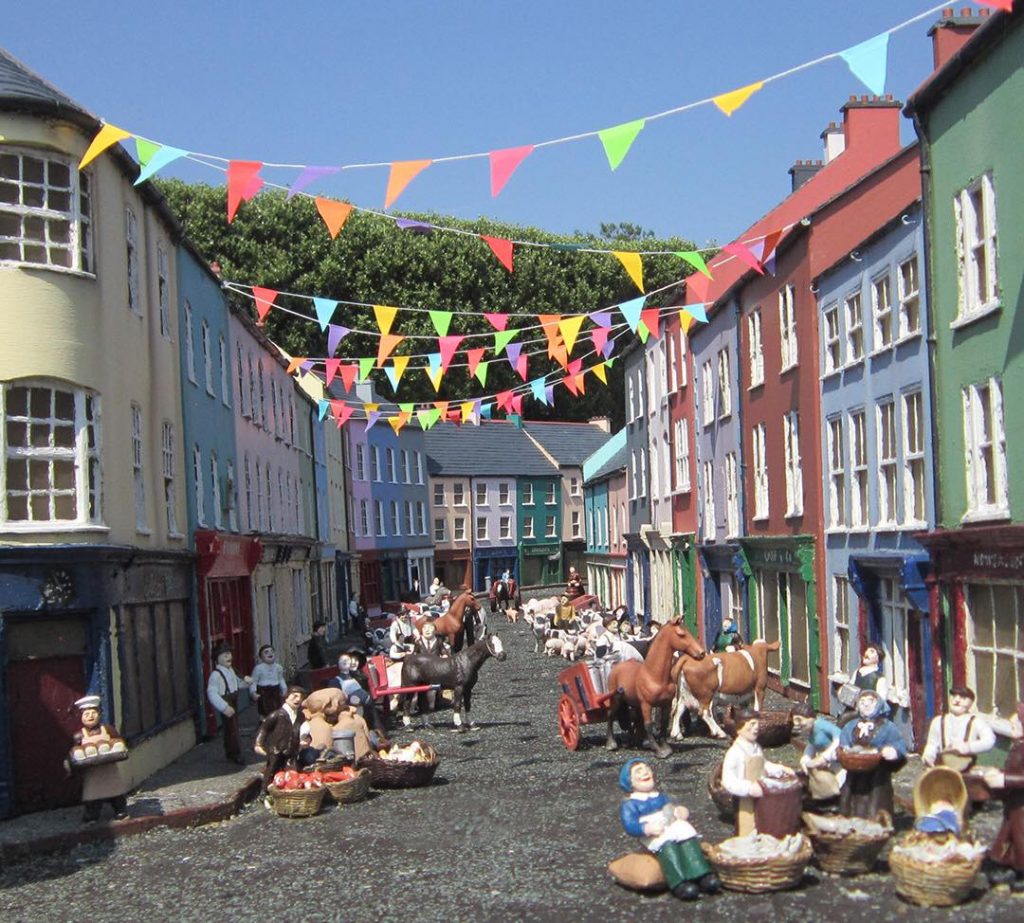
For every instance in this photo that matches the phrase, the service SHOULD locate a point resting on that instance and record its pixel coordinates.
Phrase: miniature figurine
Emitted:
(574, 586)
(222, 692)
(673, 840)
(401, 635)
(104, 782)
(744, 768)
(564, 615)
(1007, 850)
(940, 802)
(866, 792)
(353, 684)
(728, 638)
(825, 776)
(315, 653)
(267, 684)
(278, 736)
(958, 733)
(868, 675)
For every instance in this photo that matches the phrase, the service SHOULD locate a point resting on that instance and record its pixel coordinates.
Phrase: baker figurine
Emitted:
(958, 736)
(106, 782)
(646, 812)
(222, 692)
(744, 767)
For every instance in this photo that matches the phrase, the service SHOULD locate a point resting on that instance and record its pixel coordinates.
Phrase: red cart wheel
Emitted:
(568, 723)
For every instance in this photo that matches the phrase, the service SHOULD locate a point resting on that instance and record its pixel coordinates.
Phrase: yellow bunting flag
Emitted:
(108, 136)
(396, 423)
(570, 329)
(334, 213)
(295, 363)
(730, 102)
(686, 321)
(402, 173)
(400, 363)
(385, 316)
(634, 265)
(388, 342)
(435, 378)
(467, 408)
(599, 371)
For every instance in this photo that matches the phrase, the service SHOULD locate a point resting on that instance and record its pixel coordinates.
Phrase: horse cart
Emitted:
(583, 700)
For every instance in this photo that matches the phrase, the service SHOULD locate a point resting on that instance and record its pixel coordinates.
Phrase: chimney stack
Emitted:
(834, 141)
(602, 422)
(802, 171)
(872, 124)
(952, 31)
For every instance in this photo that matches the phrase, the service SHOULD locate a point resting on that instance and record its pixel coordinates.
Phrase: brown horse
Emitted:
(639, 686)
(453, 625)
(739, 673)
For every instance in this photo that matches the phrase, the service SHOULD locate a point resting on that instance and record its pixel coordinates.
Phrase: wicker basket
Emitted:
(399, 774)
(723, 800)
(775, 728)
(352, 790)
(756, 876)
(933, 884)
(859, 761)
(847, 853)
(302, 802)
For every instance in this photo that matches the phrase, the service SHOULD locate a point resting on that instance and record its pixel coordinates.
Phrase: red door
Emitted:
(41, 695)
(915, 666)
(226, 616)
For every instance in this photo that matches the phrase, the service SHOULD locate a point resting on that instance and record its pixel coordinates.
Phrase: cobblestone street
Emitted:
(514, 827)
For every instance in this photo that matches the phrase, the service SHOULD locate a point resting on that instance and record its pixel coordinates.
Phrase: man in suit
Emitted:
(278, 737)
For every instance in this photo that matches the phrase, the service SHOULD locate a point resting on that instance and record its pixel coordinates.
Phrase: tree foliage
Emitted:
(285, 246)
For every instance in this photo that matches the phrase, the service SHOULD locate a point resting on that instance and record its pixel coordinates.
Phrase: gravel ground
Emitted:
(514, 827)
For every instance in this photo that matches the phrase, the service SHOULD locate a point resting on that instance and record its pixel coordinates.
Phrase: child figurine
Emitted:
(106, 782)
(958, 731)
(672, 839)
(267, 682)
(866, 793)
(222, 692)
(744, 767)
(825, 776)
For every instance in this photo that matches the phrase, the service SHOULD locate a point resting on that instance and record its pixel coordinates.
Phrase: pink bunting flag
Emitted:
(502, 249)
(348, 375)
(521, 366)
(342, 412)
(570, 385)
(243, 183)
(502, 399)
(497, 321)
(448, 345)
(264, 301)
(516, 403)
(473, 357)
(600, 336)
(331, 365)
(503, 165)
(744, 254)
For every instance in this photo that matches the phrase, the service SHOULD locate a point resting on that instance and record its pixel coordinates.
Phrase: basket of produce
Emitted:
(935, 871)
(296, 794)
(722, 799)
(859, 759)
(347, 785)
(775, 728)
(847, 845)
(402, 767)
(758, 863)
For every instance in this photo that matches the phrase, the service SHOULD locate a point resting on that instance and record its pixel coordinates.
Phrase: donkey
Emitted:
(458, 673)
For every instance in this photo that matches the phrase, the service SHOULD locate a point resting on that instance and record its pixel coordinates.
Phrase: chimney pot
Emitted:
(965, 11)
(947, 12)
(984, 13)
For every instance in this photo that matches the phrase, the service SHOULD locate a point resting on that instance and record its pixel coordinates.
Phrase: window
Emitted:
(504, 495)
(910, 298)
(708, 505)
(833, 355)
(218, 521)
(985, 444)
(859, 469)
(634, 475)
(887, 477)
(273, 405)
(406, 474)
(458, 494)
(574, 487)
(253, 411)
(724, 384)
(995, 644)
(527, 494)
(131, 236)
(549, 497)
(190, 353)
(198, 479)
(756, 348)
(460, 529)
(505, 526)
(528, 527)
(766, 589)
(389, 465)
(249, 498)
(419, 468)
(681, 359)
(364, 518)
(360, 462)
(263, 395)
(854, 328)
(682, 455)
(232, 498)
(643, 472)
(396, 522)
(375, 463)
(590, 527)
(138, 476)
(631, 398)
(549, 527)
(378, 517)
(707, 382)
(45, 212)
(439, 531)
(481, 494)
(270, 498)
(975, 212)
(671, 362)
(258, 487)
(895, 613)
(241, 378)
(881, 312)
(841, 624)
(787, 327)
(760, 458)
(481, 528)
(163, 289)
(421, 517)
(224, 396)
(167, 472)
(794, 471)
(574, 524)
(207, 358)
(301, 598)
(438, 493)
(836, 473)
(409, 523)
(732, 496)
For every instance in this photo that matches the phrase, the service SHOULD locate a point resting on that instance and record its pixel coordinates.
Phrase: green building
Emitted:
(539, 527)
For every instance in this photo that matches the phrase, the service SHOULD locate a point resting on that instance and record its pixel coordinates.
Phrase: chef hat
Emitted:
(88, 701)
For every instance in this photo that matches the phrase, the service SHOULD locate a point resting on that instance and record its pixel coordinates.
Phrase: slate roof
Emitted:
(616, 463)
(23, 88)
(570, 444)
(492, 449)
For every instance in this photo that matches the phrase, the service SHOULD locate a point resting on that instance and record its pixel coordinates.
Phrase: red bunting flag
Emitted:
(473, 356)
(649, 317)
(516, 404)
(497, 321)
(342, 412)
(331, 365)
(264, 301)
(448, 346)
(502, 399)
(243, 183)
(502, 249)
(697, 287)
(348, 375)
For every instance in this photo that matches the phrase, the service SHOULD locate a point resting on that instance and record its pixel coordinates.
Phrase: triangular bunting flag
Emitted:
(294, 363)
(466, 408)
(501, 340)
(502, 249)
(570, 385)
(473, 357)
(449, 345)
(342, 412)
(503, 165)
(730, 102)
(768, 245)
(486, 410)
(549, 324)
(549, 395)
(397, 422)
(697, 312)
(325, 309)
(400, 363)
(481, 374)
(600, 372)
(634, 265)
(243, 183)
(497, 321)
(322, 407)
(392, 377)
(631, 311)
(388, 342)
(365, 367)
(503, 399)
(516, 403)
(650, 317)
(697, 288)
(385, 316)
(599, 336)
(406, 408)
(107, 136)
(442, 407)
(642, 332)
(521, 366)
(407, 224)
(868, 60)
(144, 151)
(581, 384)
(334, 214)
(434, 377)
(609, 347)
(348, 375)
(264, 301)
(335, 335)
(434, 362)
(744, 254)
(537, 387)
(331, 368)
(618, 140)
(602, 318)
(372, 416)
(695, 260)
(402, 173)
(512, 352)
(686, 321)
(306, 178)
(442, 321)
(157, 160)
(427, 416)
(560, 354)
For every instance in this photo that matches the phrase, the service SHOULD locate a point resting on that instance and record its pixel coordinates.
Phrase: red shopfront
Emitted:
(225, 566)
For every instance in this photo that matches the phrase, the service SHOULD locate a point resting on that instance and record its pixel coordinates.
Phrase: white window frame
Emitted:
(481, 493)
(504, 493)
(787, 328)
(232, 488)
(505, 527)
(396, 518)
(207, 357)
(421, 518)
(378, 518)
(756, 348)
(831, 337)
(132, 259)
(887, 459)
(983, 435)
(224, 382)
(732, 496)
(707, 382)
(550, 494)
(218, 519)
(440, 532)
(894, 609)
(794, 469)
(390, 466)
(375, 464)
(250, 503)
(481, 529)
(643, 472)
(836, 460)
(459, 530)
(458, 493)
(708, 505)
(360, 472)
(681, 376)
(724, 384)
(989, 652)
(198, 477)
(841, 625)
(138, 470)
(528, 494)
(977, 296)
(364, 518)
(528, 527)
(908, 289)
(190, 353)
(574, 523)
(883, 330)
(853, 313)
(574, 487)
(439, 497)
(409, 521)
(163, 289)
(551, 526)
(241, 380)
(758, 444)
(915, 485)
(167, 474)
(860, 510)
(419, 467)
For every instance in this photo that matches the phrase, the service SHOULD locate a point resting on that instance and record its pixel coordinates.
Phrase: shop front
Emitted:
(454, 567)
(541, 564)
(490, 563)
(724, 585)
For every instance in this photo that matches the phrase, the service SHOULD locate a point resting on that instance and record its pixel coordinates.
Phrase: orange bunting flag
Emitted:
(402, 173)
(334, 213)
(473, 357)
(441, 407)
(396, 423)
(581, 384)
(570, 385)
(569, 327)
(730, 102)
(385, 316)
(108, 136)
(243, 183)
(634, 265)
(295, 362)
(549, 324)
(348, 375)
(502, 249)
(649, 317)
(264, 301)
(388, 342)
(560, 354)
(600, 372)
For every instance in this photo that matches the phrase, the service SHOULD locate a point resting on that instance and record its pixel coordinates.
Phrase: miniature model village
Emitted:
(835, 808)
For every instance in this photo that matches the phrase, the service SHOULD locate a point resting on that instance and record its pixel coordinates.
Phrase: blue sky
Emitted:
(330, 81)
